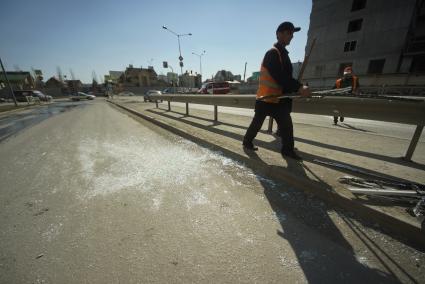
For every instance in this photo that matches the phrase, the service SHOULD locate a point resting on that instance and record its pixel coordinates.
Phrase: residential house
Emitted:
(138, 77)
(54, 82)
(19, 80)
(191, 80)
(113, 76)
(73, 86)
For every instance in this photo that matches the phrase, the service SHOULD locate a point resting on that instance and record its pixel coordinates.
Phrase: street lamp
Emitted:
(200, 60)
(178, 39)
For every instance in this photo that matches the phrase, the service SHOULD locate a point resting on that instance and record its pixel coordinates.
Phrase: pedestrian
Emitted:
(276, 80)
(347, 80)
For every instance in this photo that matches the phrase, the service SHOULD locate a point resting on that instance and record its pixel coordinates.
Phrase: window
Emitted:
(355, 25)
(358, 5)
(350, 46)
(376, 66)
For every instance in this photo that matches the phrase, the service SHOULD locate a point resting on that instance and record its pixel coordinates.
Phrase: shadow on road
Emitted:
(275, 145)
(302, 218)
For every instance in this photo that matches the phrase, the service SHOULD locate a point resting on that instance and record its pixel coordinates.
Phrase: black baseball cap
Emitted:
(287, 26)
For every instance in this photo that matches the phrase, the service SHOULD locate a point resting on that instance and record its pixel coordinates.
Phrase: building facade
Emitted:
(138, 77)
(19, 80)
(383, 41)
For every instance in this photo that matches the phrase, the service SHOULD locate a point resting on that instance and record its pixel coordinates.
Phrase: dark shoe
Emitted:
(341, 119)
(277, 133)
(292, 155)
(249, 146)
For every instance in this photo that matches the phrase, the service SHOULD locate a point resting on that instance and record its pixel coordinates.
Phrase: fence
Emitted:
(406, 111)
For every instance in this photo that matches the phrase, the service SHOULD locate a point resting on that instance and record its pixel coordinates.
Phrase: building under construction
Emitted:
(383, 40)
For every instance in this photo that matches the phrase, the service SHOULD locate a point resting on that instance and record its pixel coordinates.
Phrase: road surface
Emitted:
(92, 195)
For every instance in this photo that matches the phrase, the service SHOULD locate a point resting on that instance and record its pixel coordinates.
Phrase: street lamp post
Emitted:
(200, 60)
(178, 39)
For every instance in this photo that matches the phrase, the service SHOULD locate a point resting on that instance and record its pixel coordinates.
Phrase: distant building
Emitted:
(113, 76)
(296, 68)
(237, 78)
(254, 78)
(54, 82)
(163, 78)
(19, 80)
(223, 75)
(138, 77)
(383, 40)
(190, 80)
(172, 78)
(73, 86)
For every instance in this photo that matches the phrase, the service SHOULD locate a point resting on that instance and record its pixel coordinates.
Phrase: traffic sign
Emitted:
(181, 63)
(180, 58)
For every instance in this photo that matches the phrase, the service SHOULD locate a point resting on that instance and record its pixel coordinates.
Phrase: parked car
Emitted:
(21, 95)
(168, 91)
(147, 96)
(41, 96)
(82, 96)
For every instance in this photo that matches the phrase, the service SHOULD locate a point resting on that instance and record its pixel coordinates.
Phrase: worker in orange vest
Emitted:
(276, 80)
(347, 80)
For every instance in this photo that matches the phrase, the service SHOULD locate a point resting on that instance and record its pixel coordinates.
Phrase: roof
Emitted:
(115, 74)
(15, 76)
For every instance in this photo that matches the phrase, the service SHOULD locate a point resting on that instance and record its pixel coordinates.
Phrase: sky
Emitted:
(101, 35)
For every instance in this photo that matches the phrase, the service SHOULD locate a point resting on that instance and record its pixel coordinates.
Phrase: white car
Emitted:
(82, 96)
(147, 96)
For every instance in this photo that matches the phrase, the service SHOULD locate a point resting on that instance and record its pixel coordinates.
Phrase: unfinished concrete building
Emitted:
(383, 41)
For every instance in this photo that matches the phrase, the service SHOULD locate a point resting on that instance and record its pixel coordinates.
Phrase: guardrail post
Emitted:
(270, 129)
(156, 102)
(169, 106)
(414, 142)
(187, 108)
(215, 113)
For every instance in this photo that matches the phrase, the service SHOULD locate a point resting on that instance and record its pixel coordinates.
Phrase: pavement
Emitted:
(369, 152)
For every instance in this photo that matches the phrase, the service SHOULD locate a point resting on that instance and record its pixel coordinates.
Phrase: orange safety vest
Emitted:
(267, 85)
(354, 83)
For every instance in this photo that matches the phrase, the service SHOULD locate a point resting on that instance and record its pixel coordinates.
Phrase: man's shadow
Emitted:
(321, 249)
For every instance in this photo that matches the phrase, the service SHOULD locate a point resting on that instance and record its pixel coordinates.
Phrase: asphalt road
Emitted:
(92, 195)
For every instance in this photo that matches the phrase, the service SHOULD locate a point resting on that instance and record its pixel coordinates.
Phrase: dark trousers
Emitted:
(281, 112)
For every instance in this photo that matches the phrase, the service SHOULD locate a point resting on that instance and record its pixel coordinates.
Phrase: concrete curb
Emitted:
(403, 230)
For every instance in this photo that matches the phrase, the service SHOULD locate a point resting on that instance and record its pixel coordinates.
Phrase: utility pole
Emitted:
(8, 83)
(244, 72)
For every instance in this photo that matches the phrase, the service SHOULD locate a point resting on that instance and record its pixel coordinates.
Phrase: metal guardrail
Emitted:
(381, 109)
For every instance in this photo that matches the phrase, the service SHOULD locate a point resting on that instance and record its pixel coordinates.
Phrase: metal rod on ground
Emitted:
(379, 191)
(215, 113)
(8, 83)
(270, 129)
(187, 108)
(414, 142)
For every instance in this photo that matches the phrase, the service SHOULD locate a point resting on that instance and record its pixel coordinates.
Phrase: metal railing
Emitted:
(406, 111)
